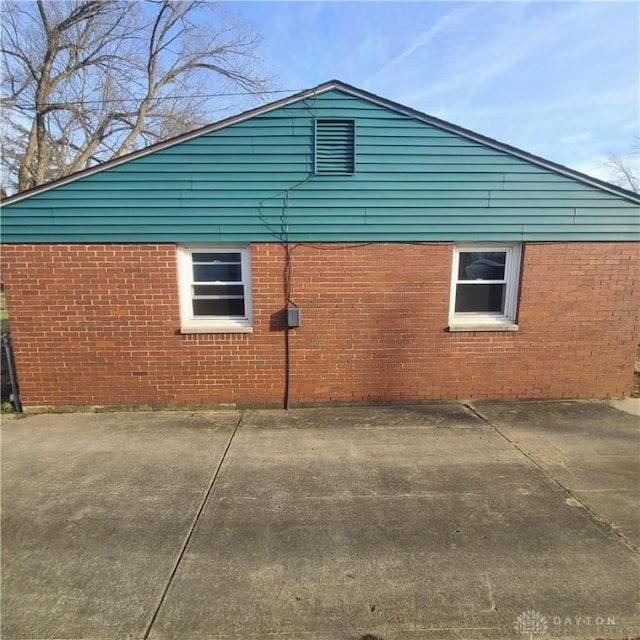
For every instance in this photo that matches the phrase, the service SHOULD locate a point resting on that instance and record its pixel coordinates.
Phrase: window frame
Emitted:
(487, 320)
(212, 324)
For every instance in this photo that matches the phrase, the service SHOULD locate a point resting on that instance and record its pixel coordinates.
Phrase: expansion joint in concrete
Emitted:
(192, 528)
(602, 522)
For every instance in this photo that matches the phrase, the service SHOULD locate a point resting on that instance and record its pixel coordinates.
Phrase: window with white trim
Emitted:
(484, 287)
(215, 288)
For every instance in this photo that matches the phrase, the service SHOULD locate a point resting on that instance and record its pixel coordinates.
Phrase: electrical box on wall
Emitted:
(294, 317)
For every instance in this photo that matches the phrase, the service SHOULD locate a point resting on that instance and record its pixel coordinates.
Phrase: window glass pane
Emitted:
(482, 265)
(223, 308)
(480, 298)
(216, 257)
(217, 273)
(218, 290)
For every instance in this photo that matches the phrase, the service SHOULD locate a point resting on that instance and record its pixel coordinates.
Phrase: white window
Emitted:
(484, 287)
(215, 288)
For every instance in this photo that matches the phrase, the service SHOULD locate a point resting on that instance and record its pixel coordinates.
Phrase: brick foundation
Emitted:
(100, 325)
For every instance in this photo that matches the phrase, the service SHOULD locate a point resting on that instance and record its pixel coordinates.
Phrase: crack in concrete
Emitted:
(486, 580)
(192, 528)
(572, 496)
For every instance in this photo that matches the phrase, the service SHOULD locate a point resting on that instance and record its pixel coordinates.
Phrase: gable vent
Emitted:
(335, 146)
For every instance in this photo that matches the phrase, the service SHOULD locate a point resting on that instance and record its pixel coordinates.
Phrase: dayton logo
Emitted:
(531, 622)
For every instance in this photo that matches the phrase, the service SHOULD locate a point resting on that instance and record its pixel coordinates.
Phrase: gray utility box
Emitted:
(294, 317)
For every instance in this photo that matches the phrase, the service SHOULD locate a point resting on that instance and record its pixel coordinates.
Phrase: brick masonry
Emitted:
(100, 325)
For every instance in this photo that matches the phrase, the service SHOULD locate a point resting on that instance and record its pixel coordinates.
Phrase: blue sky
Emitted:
(557, 79)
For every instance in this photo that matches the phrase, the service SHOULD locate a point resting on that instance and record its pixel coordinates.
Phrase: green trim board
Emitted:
(254, 179)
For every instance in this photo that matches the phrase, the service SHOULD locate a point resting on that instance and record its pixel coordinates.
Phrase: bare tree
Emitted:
(624, 169)
(89, 80)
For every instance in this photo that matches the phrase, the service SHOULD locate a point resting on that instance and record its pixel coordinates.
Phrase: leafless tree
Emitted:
(88, 80)
(624, 169)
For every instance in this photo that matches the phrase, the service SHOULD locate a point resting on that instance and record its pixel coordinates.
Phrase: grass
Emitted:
(5, 407)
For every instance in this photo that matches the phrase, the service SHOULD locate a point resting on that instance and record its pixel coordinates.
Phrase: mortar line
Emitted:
(189, 535)
(607, 525)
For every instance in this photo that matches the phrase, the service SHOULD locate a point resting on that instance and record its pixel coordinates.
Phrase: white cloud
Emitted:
(575, 138)
(454, 19)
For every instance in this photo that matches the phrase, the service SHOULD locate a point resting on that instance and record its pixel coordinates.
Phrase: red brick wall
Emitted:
(99, 325)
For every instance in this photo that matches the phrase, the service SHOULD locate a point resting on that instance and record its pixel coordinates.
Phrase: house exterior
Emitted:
(331, 247)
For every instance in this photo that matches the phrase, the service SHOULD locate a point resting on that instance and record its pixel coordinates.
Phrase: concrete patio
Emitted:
(488, 520)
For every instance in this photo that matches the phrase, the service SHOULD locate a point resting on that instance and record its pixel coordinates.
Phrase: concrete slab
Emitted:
(341, 524)
(415, 531)
(95, 509)
(591, 448)
(628, 405)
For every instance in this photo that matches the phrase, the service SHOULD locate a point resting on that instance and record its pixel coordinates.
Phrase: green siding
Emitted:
(255, 181)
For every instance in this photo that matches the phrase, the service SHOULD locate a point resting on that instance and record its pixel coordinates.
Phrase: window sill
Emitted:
(215, 329)
(483, 327)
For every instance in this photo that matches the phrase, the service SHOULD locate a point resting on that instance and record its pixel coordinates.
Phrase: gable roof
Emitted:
(353, 91)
